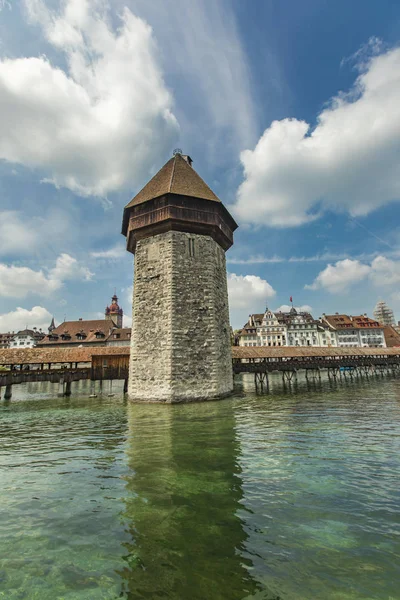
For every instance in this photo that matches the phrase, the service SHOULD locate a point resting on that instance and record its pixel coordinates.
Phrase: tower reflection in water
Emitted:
(182, 499)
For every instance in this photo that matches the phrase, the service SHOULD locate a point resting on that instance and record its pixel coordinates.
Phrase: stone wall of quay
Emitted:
(180, 348)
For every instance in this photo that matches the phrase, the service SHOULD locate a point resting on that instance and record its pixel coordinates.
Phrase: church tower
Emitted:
(179, 232)
(114, 312)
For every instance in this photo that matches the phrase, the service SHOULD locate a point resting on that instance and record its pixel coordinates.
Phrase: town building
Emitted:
(248, 335)
(119, 337)
(383, 314)
(179, 231)
(271, 330)
(293, 328)
(27, 338)
(5, 339)
(301, 327)
(358, 331)
(93, 332)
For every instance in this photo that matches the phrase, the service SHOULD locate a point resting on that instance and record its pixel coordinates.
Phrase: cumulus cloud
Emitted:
(338, 277)
(248, 291)
(68, 268)
(385, 272)
(91, 127)
(382, 271)
(286, 308)
(19, 282)
(21, 317)
(348, 162)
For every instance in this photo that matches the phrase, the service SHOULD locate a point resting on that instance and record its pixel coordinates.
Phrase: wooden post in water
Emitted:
(61, 388)
(8, 393)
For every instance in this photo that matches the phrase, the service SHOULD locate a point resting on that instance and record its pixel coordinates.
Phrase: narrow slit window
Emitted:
(191, 247)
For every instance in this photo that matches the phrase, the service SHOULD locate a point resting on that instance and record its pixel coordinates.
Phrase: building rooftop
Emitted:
(71, 330)
(346, 322)
(177, 176)
(303, 351)
(40, 355)
(392, 338)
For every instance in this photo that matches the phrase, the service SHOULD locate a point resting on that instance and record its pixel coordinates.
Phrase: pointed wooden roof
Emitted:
(177, 176)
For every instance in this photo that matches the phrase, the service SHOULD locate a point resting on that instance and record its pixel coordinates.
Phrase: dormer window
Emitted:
(80, 335)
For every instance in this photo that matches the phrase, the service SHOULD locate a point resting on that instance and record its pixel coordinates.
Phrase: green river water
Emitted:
(290, 496)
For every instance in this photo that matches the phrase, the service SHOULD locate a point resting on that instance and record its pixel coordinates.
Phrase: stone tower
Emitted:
(179, 232)
(114, 312)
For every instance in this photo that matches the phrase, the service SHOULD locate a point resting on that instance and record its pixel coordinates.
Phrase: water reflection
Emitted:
(182, 503)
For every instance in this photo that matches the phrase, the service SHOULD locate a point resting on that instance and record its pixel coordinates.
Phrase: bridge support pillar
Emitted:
(93, 389)
(67, 388)
(262, 382)
(289, 376)
(110, 392)
(8, 392)
(125, 386)
(60, 388)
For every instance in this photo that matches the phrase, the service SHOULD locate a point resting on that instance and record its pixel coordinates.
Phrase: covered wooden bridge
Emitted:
(338, 362)
(62, 366)
(98, 364)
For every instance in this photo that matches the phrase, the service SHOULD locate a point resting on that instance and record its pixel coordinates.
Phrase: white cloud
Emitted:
(102, 123)
(286, 308)
(338, 277)
(349, 162)
(248, 291)
(18, 282)
(202, 47)
(117, 251)
(15, 235)
(21, 317)
(68, 268)
(385, 272)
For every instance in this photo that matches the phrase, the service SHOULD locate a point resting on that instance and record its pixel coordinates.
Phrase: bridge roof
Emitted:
(32, 356)
(243, 352)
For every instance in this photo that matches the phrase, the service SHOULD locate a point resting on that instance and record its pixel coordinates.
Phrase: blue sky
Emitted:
(290, 111)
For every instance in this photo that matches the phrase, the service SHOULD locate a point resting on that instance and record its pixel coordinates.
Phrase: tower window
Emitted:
(191, 247)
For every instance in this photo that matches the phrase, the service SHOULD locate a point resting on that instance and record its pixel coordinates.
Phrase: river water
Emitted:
(290, 496)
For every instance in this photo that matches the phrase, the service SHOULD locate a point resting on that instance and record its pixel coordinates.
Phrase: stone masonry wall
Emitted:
(180, 333)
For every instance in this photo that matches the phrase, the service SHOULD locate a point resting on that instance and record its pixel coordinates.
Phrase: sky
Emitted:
(290, 111)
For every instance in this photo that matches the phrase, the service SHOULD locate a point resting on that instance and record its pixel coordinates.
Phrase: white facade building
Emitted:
(356, 332)
(27, 338)
(271, 332)
(302, 329)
